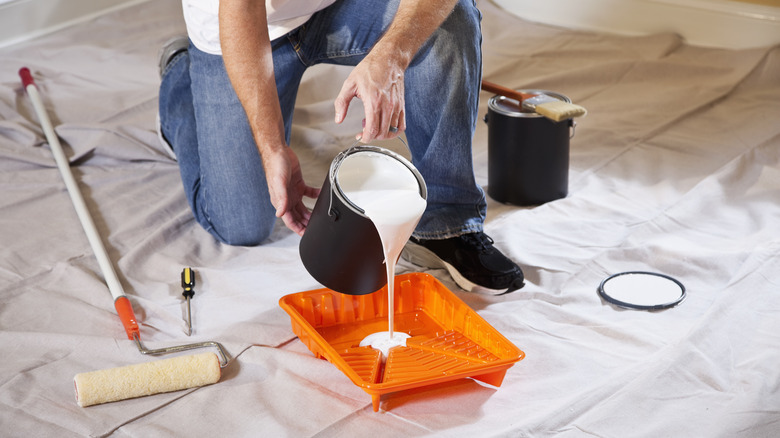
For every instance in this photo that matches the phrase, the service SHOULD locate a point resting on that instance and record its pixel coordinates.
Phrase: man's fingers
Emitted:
(293, 224)
(345, 96)
(383, 102)
(370, 128)
(311, 192)
(397, 124)
(297, 218)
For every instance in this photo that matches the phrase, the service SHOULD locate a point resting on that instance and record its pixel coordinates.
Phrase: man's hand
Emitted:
(379, 83)
(287, 189)
(378, 80)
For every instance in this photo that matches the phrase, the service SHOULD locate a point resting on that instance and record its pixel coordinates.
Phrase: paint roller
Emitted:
(142, 379)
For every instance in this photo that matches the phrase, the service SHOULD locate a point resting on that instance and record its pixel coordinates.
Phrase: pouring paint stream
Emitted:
(389, 195)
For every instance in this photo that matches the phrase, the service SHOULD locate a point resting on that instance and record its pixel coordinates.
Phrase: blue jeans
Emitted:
(203, 120)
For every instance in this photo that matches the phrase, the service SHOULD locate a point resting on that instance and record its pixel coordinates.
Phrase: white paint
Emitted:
(709, 23)
(384, 341)
(389, 194)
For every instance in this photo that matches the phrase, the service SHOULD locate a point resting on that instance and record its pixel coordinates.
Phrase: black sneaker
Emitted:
(472, 261)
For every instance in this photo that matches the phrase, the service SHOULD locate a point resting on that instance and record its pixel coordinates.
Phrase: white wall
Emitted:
(718, 23)
(712, 23)
(21, 20)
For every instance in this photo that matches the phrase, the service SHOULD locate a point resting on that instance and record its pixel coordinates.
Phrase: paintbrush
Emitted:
(547, 106)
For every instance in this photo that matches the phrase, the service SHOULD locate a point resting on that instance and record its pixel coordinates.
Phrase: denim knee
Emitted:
(463, 27)
(250, 231)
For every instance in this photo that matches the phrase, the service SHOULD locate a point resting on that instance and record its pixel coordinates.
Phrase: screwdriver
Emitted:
(188, 284)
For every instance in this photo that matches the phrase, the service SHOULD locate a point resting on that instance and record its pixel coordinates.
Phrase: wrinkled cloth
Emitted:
(676, 170)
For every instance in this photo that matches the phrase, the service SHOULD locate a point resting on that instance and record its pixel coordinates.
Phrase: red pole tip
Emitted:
(125, 311)
(26, 76)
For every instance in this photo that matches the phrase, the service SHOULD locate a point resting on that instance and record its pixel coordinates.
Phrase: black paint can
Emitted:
(341, 247)
(528, 154)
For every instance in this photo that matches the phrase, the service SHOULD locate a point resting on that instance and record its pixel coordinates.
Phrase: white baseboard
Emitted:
(21, 20)
(710, 23)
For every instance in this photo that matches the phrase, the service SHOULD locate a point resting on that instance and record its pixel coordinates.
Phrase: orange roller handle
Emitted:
(126, 314)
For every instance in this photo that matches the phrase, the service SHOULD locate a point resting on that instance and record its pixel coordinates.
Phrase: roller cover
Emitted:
(149, 378)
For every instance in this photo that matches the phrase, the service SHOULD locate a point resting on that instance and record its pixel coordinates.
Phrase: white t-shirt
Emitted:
(202, 18)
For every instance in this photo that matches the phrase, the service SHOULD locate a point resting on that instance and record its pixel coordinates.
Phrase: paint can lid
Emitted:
(642, 290)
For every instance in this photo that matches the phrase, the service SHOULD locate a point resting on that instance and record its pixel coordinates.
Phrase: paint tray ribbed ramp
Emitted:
(448, 341)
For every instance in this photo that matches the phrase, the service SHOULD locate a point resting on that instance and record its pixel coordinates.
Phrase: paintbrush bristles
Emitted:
(559, 110)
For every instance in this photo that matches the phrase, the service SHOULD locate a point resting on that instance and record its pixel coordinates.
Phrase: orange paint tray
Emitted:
(448, 340)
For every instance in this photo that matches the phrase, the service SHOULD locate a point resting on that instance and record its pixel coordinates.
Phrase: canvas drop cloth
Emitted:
(675, 170)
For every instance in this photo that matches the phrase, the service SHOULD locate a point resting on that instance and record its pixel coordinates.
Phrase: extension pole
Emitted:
(121, 303)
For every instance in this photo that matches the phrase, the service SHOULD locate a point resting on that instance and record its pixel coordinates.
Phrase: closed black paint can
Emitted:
(528, 154)
(341, 247)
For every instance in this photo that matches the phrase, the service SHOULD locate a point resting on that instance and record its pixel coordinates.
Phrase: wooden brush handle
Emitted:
(504, 91)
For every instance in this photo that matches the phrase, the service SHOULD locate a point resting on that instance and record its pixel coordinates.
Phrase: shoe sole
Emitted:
(169, 50)
(422, 256)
